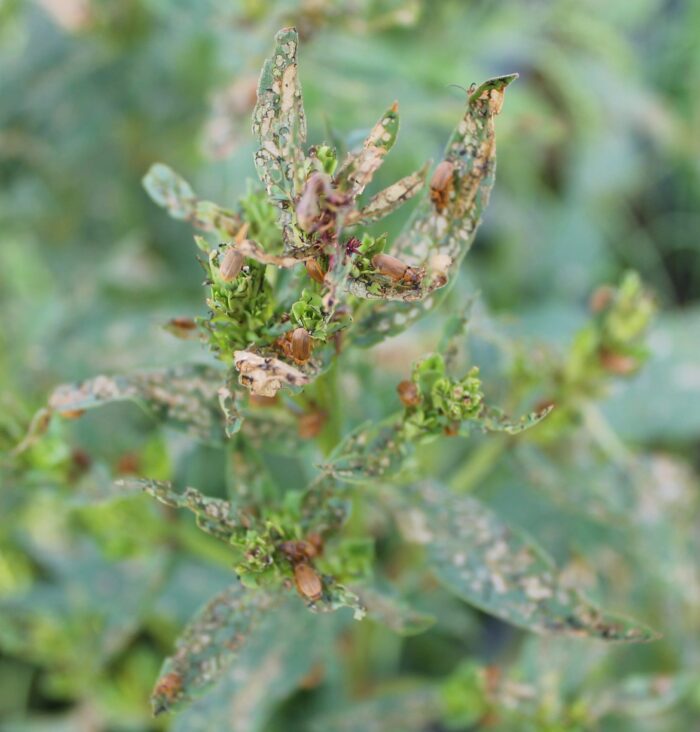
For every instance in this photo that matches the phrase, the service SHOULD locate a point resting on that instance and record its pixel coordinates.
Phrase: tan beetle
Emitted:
(231, 265)
(396, 270)
(308, 582)
(441, 184)
(315, 271)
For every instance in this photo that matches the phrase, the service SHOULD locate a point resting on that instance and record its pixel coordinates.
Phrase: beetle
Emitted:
(441, 184)
(300, 345)
(408, 393)
(231, 265)
(315, 270)
(308, 582)
(396, 270)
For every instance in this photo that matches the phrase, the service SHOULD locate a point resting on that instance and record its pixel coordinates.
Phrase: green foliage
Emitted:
(371, 544)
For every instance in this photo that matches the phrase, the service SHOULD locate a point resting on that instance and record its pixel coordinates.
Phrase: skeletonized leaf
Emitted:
(215, 516)
(183, 396)
(493, 419)
(389, 199)
(359, 168)
(265, 376)
(387, 608)
(278, 119)
(175, 194)
(287, 648)
(438, 239)
(208, 645)
(502, 570)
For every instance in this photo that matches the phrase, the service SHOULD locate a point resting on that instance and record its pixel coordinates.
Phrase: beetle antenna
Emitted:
(459, 86)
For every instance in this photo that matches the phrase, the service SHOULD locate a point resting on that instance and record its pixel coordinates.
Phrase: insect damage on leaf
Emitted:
(208, 645)
(265, 375)
(502, 571)
(184, 396)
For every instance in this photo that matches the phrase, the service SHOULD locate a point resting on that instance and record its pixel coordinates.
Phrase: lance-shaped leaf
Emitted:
(209, 645)
(278, 120)
(439, 235)
(409, 710)
(359, 168)
(388, 199)
(174, 193)
(287, 647)
(384, 606)
(215, 516)
(501, 570)
(183, 396)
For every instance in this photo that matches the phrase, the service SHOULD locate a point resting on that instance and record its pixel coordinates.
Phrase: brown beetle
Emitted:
(167, 690)
(72, 413)
(308, 582)
(315, 270)
(408, 393)
(231, 265)
(311, 423)
(300, 345)
(617, 363)
(396, 270)
(441, 184)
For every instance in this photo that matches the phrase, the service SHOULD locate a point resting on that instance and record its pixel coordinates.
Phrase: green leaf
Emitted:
(407, 710)
(502, 570)
(209, 645)
(184, 396)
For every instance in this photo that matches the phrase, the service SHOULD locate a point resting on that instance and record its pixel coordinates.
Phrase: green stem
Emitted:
(479, 464)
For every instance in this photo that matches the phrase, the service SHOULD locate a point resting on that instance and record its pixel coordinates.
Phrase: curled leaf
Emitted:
(265, 375)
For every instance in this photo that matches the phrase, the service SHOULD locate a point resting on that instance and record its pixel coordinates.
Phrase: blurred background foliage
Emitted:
(598, 172)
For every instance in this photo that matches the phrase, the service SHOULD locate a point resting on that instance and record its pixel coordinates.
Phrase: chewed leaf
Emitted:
(389, 199)
(215, 516)
(278, 120)
(439, 234)
(183, 396)
(502, 571)
(494, 420)
(409, 710)
(359, 168)
(208, 645)
(286, 649)
(174, 193)
(170, 190)
(387, 608)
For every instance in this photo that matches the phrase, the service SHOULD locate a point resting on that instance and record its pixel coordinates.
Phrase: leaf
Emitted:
(389, 199)
(493, 419)
(183, 396)
(359, 168)
(282, 652)
(215, 516)
(208, 645)
(438, 240)
(409, 710)
(279, 122)
(265, 376)
(387, 608)
(502, 571)
(175, 194)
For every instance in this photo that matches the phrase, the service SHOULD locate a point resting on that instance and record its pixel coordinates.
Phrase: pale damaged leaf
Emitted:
(208, 645)
(285, 652)
(174, 193)
(389, 199)
(359, 168)
(442, 229)
(387, 608)
(502, 571)
(183, 396)
(279, 123)
(214, 516)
